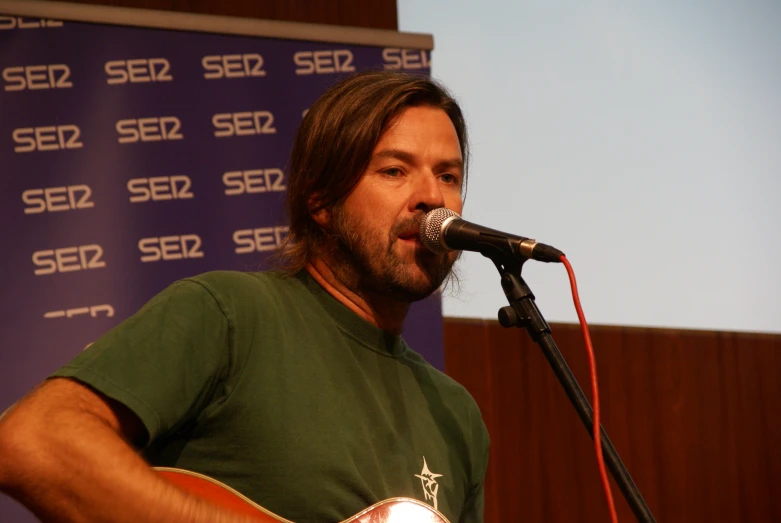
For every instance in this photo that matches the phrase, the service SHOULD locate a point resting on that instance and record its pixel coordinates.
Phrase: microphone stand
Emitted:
(523, 312)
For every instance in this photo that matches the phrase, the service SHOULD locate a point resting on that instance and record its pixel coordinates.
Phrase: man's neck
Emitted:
(384, 312)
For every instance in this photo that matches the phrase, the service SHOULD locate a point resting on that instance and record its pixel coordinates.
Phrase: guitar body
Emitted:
(393, 510)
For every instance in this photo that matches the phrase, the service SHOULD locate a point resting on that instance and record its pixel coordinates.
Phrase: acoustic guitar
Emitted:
(393, 510)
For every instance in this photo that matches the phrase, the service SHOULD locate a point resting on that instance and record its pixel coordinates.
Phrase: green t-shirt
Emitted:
(270, 385)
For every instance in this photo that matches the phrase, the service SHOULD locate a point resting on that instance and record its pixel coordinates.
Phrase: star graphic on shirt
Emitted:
(428, 482)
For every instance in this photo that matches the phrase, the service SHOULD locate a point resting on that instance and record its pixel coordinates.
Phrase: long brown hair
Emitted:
(334, 144)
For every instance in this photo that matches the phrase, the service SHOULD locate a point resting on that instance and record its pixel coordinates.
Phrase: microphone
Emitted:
(443, 230)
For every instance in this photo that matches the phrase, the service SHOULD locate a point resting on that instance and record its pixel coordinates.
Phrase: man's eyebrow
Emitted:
(409, 158)
(396, 154)
(458, 163)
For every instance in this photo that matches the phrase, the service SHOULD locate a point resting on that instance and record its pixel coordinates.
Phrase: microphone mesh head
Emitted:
(431, 229)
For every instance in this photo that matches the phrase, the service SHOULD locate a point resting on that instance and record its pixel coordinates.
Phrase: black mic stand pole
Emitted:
(523, 312)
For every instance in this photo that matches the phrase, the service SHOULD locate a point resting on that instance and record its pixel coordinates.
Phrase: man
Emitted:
(292, 387)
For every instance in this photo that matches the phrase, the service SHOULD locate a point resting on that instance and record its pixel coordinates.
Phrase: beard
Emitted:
(370, 262)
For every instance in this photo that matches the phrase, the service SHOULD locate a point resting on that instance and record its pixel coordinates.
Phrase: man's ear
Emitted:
(321, 215)
(322, 218)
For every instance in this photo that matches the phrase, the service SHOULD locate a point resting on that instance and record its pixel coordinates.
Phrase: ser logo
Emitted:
(68, 259)
(13, 22)
(159, 188)
(153, 129)
(254, 181)
(170, 248)
(33, 77)
(243, 124)
(396, 58)
(262, 239)
(139, 70)
(93, 311)
(50, 138)
(324, 62)
(55, 199)
(232, 66)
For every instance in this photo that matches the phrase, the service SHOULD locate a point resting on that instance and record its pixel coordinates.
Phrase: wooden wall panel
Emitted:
(694, 416)
(378, 14)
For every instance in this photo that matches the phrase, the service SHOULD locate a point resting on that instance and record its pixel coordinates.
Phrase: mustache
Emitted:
(407, 224)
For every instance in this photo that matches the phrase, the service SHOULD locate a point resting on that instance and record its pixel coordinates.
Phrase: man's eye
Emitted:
(393, 171)
(449, 178)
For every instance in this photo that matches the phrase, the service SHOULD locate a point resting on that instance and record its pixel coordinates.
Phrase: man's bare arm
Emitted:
(64, 453)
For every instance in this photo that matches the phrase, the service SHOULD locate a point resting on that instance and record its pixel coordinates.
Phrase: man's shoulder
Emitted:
(447, 385)
(222, 282)
(454, 402)
(230, 289)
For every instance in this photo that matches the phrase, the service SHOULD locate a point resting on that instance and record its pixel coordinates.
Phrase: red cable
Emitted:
(594, 389)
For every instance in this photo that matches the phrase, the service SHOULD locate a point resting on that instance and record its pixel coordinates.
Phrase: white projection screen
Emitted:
(641, 138)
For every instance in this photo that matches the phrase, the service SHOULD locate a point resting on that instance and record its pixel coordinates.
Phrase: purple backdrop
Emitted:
(134, 157)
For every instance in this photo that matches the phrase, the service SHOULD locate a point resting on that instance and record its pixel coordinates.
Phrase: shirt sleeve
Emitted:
(166, 362)
(474, 505)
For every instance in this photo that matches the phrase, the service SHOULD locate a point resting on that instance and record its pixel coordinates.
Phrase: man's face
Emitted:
(415, 167)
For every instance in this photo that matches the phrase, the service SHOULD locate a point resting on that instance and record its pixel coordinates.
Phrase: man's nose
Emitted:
(427, 193)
